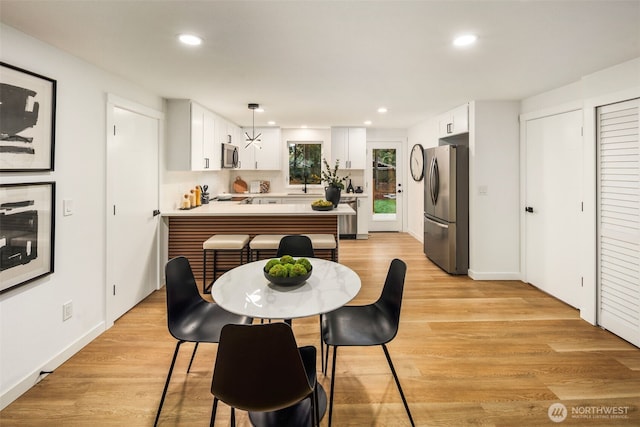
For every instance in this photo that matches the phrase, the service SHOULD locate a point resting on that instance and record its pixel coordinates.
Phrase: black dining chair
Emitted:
(368, 325)
(296, 245)
(191, 318)
(260, 369)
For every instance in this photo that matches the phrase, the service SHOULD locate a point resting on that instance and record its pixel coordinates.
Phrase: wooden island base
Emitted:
(187, 233)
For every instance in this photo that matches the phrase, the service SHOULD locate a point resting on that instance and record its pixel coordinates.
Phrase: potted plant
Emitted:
(335, 183)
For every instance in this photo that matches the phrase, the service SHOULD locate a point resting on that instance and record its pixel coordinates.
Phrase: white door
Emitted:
(132, 198)
(619, 219)
(384, 185)
(553, 204)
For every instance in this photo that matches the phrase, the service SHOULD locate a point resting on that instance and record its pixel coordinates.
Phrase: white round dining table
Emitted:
(244, 290)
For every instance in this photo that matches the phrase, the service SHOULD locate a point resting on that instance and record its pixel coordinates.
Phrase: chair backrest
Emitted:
(390, 301)
(182, 290)
(259, 368)
(296, 245)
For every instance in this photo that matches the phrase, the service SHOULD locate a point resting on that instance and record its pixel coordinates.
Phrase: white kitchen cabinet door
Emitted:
(348, 145)
(454, 122)
(190, 134)
(267, 200)
(364, 212)
(264, 157)
(210, 156)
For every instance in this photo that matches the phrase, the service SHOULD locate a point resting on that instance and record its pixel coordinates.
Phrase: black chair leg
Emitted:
(204, 271)
(316, 405)
(166, 384)
(395, 377)
(324, 371)
(213, 412)
(192, 357)
(233, 417)
(333, 380)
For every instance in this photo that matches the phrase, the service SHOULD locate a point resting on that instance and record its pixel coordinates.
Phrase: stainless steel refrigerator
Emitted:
(446, 207)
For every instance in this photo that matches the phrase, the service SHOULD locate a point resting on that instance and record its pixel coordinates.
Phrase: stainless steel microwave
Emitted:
(230, 156)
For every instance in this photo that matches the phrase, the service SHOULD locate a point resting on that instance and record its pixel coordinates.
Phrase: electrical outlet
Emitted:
(67, 310)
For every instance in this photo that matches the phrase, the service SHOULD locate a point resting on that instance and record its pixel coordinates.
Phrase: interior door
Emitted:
(132, 203)
(384, 182)
(553, 204)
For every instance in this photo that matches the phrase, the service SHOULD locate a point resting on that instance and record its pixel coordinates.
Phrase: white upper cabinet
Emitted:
(454, 122)
(348, 145)
(265, 157)
(191, 137)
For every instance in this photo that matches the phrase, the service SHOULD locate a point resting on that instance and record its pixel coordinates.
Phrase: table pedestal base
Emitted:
(296, 415)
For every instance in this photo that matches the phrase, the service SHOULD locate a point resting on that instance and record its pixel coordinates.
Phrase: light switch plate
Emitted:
(67, 207)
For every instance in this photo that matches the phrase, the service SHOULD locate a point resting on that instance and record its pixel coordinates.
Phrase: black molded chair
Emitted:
(368, 325)
(299, 245)
(259, 368)
(191, 318)
(296, 245)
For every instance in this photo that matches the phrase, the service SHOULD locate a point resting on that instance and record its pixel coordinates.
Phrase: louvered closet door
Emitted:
(619, 219)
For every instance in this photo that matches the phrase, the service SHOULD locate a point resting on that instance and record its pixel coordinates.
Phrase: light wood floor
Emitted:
(468, 353)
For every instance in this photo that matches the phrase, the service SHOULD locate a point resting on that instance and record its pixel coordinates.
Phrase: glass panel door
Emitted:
(386, 187)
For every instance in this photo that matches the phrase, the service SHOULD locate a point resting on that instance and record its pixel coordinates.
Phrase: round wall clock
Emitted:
(416, 162)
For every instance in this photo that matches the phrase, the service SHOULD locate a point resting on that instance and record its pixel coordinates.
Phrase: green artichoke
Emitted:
(297, 270)
(278, 270)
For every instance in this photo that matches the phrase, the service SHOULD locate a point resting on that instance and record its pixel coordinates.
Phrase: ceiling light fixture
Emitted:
(190, 39)
(255, 140)
(382, 110)
(465, 40)
(367, 122)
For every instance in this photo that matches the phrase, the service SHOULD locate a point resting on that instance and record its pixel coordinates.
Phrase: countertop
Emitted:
(310, 195)
(227, 208)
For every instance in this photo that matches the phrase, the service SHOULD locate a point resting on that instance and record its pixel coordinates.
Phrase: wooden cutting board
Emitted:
(239, 186)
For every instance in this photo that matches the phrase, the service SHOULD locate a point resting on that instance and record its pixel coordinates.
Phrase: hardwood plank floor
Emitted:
(488, 353)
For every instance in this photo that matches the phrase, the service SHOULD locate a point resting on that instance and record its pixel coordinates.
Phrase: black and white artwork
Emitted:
(27, 120)
(26, 232)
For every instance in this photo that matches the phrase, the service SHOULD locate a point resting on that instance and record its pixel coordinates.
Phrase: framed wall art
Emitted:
(27, 120)
(27, 224)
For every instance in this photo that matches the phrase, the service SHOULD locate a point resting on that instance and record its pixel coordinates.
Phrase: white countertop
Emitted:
(235, 208)
(312, 196)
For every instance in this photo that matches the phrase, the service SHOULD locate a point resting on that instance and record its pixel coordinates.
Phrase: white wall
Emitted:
(33, 336)
(494, 225)
(425, 134)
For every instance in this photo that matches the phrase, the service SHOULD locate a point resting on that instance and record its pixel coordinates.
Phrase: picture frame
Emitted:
(27, 233)
(27, 120)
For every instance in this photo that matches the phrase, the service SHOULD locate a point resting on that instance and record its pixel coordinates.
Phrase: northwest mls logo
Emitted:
(557, 412)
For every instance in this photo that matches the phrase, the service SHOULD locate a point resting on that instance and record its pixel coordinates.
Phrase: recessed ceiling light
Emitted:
(382, 110)
(271, 123)
(465, 40)
(190, 39)
(367, 122)
(303, 126)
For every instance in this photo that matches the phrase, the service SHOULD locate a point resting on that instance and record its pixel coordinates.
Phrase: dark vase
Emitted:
(332, 194)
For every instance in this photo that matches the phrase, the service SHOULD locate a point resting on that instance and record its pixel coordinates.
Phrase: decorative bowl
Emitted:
(287, 281)
(322, 208)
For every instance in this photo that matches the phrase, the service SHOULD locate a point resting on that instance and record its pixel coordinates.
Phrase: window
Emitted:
(305, 163)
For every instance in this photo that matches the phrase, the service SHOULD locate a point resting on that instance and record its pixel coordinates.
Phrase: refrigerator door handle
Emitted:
(436, 181)
(431, 181)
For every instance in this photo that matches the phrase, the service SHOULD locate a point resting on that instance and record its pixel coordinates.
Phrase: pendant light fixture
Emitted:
(255, 139)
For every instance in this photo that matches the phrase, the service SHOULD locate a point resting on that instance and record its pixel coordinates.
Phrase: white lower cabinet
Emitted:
(267, 200)
(362, 227)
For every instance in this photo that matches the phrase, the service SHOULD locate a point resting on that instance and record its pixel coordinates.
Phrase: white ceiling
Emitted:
(323, 63)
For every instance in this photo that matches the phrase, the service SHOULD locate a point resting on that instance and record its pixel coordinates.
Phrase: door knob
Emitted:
(529, 209)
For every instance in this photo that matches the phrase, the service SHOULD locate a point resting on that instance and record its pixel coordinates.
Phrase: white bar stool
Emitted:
(264, 242)
(324, 241)
(222, 243)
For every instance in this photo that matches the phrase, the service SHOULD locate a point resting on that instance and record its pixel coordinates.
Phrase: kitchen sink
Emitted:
(300, 193)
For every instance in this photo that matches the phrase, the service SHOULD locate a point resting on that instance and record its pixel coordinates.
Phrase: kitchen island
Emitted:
(187, 229)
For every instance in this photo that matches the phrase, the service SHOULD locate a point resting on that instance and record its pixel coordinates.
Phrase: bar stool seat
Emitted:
(324, 241)
(222, 242)
(264, 242)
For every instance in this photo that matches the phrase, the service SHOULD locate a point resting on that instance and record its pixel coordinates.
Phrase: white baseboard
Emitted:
(502, 275)
(32, 379)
